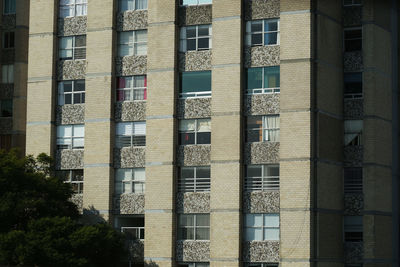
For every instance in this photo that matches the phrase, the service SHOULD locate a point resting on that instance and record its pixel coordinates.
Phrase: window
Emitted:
(353, 132)
(132, 43)
(195, 84)
(131, 134)
(352, 2)
(194, 2)
(261, 265)
(195, 38)
(133, 227)
(129, 181)
(194, 264)
(261, 227)
(73, 8)
(353, 180)
(261, 178)
(71, 92)
(353, 228)
(262, 32)
(5, 141)
(9, 7)
(194, 227)
(7, 74)
(125, 5)
(9, 40)
(262, 128)
(132, 88)
(6, 107)
(73, 177)
(72, 47)
(194, 132)
(70, 136)
(263, 80)
(353, 86)
(194, 179)
(352, 39)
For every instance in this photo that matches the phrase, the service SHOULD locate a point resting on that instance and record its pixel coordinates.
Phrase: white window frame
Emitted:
(73, 5)
(133, 44)
(352, 3)
(79, 183)
(263, 89)
(78, 52)
(133, 91)
(73, 139)
(194, 226)
(133, 181)
(184, 38)
(134, 4)
(265, 129)
(344, 38)
(8, 44)
(264, 182)
(196, 121)
(263, 227)
(195, 184)
(249, 33)
(7, 74)
(131, 136)
(9, 12)
(198, 3)
(61, 93)
(250, 264)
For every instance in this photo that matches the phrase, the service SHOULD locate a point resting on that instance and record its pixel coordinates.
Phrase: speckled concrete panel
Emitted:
(129, 157)
(193, 202)
(261, 202)
(195, 60)
(77, 199)
(192, 108)
(67, 159)
(132, 20)
(262, 56)
(262, 9)
(136, 249)
(8, 22)
(195, 15)
(6, 90)
(71, 69)
(353, 61)
(72, 26)
(352, 16)
(261, 251)
(130, 111)
(261, 152)
(193, 250)
(262, 104)
(353, 156)
(131, 65)
(194, 155)
(353, 109)
(354, 252)
(70, 114)
(7, 55)
(129, 204)
(6, 125)
(353, 204)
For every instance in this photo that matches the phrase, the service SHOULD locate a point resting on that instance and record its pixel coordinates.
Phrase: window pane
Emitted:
(139, 81)
(191, 44)
(141, 4)
(64, 131)
(126, 187)
(189, 2)
(79, 131)
(80, 41)
(79, 86)
(254, 78)
(141, 36)
(204, 138)
(256, 26)
(271, 171)
(187, 172)
(140, 49)
(272, 77)
(270, 26)
(196, 81)
(204, 2)
(77, 175)
(68, 99)
(77, 98)
(254, 122)
(256, 39)
(203, 172)
(203, 43)
(187, 125)
(254, 171)
(253, 234)
(203, 30)
(186, 220)
(203, 125)
(271, 234)
(203, 220)
(186, 233)
(191, 32)
(271, 220)
(67, 86)
(139, 174)
(202, 233)
(123, 174)
(65, 42)
(186, 138)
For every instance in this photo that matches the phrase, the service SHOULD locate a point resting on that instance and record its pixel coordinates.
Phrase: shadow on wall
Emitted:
(91, 216)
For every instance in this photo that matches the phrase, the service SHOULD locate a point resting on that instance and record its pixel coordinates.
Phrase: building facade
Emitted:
(225, 132)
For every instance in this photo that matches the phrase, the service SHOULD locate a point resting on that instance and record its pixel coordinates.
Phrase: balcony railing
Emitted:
(135, 233)
(194, 185)
(261, 183)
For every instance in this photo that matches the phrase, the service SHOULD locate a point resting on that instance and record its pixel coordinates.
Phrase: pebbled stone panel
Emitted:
(353, 109)
(129, 157)
(354, 252)
(136, 250)
(132, 20)
(194, 155)
(6, 125)
(262, 56)
(70, 114)
(72, 26)
(8, 22)
(130, 111)
(129, 204)
(131, 65)
(261, 251)
(193, 202)
(262, 104)
(261, 9)
(77, 199)
(193, 250)
(352, 16)
(67, 159)
(353, 204)
(353, 61)
(7, 55)
(192, 108)
(195, 60)
(195, 15)
(353, 156)
(261, 152)
(6, 90)
(261, 202)
(71, 69)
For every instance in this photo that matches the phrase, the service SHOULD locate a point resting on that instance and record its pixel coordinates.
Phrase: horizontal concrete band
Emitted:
(225, 259)
(160, 163)
(40, 79)
(100, 29)
(34, 123)
(337, 260)
(159, 211)
(98, 165)
(226, 18)
(42, 34)
(98, 74)
(222, 114)
(226, 161)
(226, 210)
(304, 11)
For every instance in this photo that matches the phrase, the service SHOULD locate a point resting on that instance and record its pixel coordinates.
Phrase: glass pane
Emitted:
(118, 188)
(78, 142)
(186, 138)
(271, 234)
(203, 125)
(254, 78)
(77, 175)
(202, 233)
(191, 44)
(125, 37)
(203, 30)
(186, 233)
(254, 171)
(139, 174)
(141, 36)
(270, 26)
(127, 187)
(195, 81)
(253, 220)
(141, 4)
(203, 172)
(254, 122)
(123, 174)
(139, 81)
(204, 138)
(253, 234)
(187, 125)
(254, 136)
(271, 77)
(189, 2)
(271, 171)
(140, 49)
(256, 39)
(271, 220)
(204, 43)
(80, 41)
(79, 131)
(271, 38)
(77, 98)
(68, 99)
(203, 220)
(66, 42)
(191, 32)
(64, 131)
(187, 172)
(256, 26)
(186, 220)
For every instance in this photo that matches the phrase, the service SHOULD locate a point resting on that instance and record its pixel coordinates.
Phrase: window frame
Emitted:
(73, 5)
(194, 226)
(263, 89)
(352, 180)
(8, 71)
(264, 182)
(352, 39)
(347, 83)
(9, 104)
(133, 91)
(351, 229)
(194, 94)
(359, 135)
(8, 40)
(61, 95)
(352, 3)
(79, 183)
(141, 137)
(263, 227)
(195, 131)
(78, 52)
(12, 5)
(198, 4)
(183, 39)
(200, 184)
(193, 264)
(265, 131)
(72, 138)
(133, 45)
(132, 181)
(249, 32)
(260, 264)
(134, 5)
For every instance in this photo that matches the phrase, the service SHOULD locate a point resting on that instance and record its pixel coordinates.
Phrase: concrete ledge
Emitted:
(262, 56)
(70, 114)
(193, 250)
(195, 15)
(72, 26)
(71, 69)
(262, 104)
(194, 155)
(261, 202)
(195, 60)
(131, 65)
(130, 157)
(132, 20)
(261, 251)
(261, 152)
(67, 159)
(130, 111)
(193, 202)
(193, 108)
(129, 204)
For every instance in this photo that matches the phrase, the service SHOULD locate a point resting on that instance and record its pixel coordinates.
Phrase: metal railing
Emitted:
(134, 232)
(194, 185)
(261, 183)
(195, 94)
(263, 91)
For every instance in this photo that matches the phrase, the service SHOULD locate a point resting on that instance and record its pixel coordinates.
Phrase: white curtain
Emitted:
(187, 125)
(352, 128)
(141, 4)
(124, 128)
(204, 125)
(271, 125)
(139, 128)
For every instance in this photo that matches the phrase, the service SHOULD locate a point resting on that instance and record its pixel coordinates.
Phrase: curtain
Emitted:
(271, 125)
(139, 128)
(204, 125)
(187, 125)
(141, 4)
(124, 128)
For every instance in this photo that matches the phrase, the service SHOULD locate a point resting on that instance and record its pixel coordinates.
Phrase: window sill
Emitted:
(132, 101)
(69, 17)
